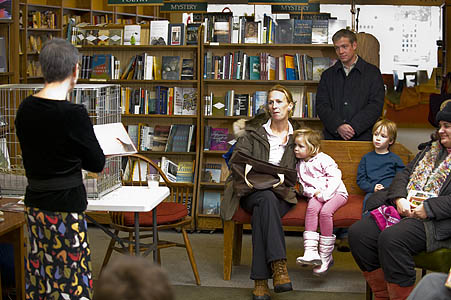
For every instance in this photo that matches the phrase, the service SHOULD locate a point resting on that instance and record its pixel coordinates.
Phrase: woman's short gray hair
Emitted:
(58, 59)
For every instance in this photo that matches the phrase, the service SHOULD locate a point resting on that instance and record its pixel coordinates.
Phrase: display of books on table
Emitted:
(416, 197)
(13, 207)
(114, 139)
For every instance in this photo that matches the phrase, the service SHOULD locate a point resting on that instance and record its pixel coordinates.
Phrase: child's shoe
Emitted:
(311, 256)
(326, 247)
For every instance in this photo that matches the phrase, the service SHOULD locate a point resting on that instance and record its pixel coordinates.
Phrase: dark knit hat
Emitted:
(445, 113)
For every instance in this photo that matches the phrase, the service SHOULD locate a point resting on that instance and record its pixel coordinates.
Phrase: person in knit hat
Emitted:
(386, 257)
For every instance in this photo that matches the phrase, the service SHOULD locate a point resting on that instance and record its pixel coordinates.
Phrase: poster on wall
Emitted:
(5, 9)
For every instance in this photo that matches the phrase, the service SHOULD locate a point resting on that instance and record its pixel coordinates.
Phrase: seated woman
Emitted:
(386, 257)
(269, 137)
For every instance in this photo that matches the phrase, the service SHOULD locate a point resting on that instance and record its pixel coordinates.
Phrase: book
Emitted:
(132, 34)
(218, 139)
(251, 32)
(192, 33)
(416, 197)
(218, 107)
(185, 171)
(320, 31)
(159, 32)
(160, 138)
(254, 67)
(221, 31)
(259, 102)
(211, 202)
(91, 37)
(176, 34)
(170, 68)
(302, 31)
(113, 139)
(13, 207)
(103, 36)
(289, 67)
(189, 96)
(212, 173)
(115, 36)
(3, 55)
(101, 66)
(169, 169)
(187, 69)
(178, 138)
(284, 31)
(333, 26)
(320, 64)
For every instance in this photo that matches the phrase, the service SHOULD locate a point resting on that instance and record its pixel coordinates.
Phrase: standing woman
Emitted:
(57, 141)
(266, 137)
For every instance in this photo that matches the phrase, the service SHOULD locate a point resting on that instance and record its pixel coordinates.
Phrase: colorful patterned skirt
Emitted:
(59, 258)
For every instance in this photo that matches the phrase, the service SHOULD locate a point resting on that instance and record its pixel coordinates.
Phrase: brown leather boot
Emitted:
(280, 278)
(261, 290)
(397, 292)
(377, 283)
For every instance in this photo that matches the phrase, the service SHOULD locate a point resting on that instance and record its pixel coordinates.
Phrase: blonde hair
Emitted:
(286, 92)
(312, 139)
(390, 126)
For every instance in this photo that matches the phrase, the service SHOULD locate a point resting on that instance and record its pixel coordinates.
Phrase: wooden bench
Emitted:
(347, 155)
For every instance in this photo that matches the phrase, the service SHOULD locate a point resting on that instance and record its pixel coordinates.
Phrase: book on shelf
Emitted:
(146, 134)
(416, 197)
(308, 67)
(170, 67)
(319, 65)
(185, 171)
(3, 55)
(218, 139)
(160, 138)
(138, 171)
(101, 66)
(169, 169)
(187, 69)
(211, 202)
(302, 31)
(251, 32)
(221, 31)
(284, 31)
(192, 33)
(157, 67)
(133, 133)
(115, 36)
(159, 32)
(91, 37)
(218, 107)
(320, 31)
(176, 34)
(333, 26)
(212, 172)
(113, 139)
(179, 138)
(289, 67)
(132, 34)
(185, 101)
(259, 102)
(103, 36)
(254, 67)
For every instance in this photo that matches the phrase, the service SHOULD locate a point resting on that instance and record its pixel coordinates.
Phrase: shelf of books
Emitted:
(236, 71)
(160, 99)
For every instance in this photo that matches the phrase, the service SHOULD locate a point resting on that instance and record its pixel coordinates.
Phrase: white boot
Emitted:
(326, 247)
(311, 256)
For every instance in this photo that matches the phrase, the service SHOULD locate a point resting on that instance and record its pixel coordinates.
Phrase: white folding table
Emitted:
(134, 199)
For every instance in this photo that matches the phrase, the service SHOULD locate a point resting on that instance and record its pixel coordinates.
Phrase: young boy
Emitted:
(378, 168)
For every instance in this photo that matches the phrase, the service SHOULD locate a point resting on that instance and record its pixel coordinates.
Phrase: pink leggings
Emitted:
(325, 211)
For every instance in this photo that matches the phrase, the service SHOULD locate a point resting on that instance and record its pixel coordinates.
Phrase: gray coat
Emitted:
(252, 140)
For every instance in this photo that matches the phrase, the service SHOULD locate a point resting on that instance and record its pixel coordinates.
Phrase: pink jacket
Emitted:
(320, 173)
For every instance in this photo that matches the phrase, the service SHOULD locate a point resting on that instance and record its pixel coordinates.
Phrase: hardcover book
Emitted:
(178, 138)
(302, 31)
(189, 97)
(132, 35)
(284, 31)
(333, 26)
(192, 33)
(221, 32)
(176, 34)
(115, 37)
(185, 172)
(251, 32)
(169, 169)
(170, 68)
(320, 31)
(218, 139)
(101, 66)
(187, 69)
(113, 139)
(211, 202)
(159, 32)
(218, 106)
(212, 173)
(320, 64)
(160, 138)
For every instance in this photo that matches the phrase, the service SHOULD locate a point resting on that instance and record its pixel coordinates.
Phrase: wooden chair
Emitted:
(171, 214)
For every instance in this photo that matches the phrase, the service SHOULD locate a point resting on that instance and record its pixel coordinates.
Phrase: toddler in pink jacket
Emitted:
(320, 178)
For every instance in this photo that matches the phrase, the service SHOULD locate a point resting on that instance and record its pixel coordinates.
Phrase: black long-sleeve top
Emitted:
(57, 141)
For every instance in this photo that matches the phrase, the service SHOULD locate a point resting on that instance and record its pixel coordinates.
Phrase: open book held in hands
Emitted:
(114, 140)
(416, 197)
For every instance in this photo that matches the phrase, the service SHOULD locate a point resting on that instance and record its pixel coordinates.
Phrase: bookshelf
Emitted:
(135, 116)
(83, 12)
(206, 220)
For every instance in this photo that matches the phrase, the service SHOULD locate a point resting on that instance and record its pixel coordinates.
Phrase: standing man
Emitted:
(350, 94)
